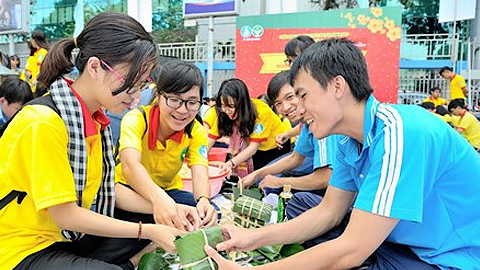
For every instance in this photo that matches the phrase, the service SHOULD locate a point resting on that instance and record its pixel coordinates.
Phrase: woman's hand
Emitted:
(167, 212)
(249, 180)
(162, 235)
(191, 215)
(206, 211)
(222, 263)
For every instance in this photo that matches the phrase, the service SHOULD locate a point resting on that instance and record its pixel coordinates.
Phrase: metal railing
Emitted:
(429, 47)
(198, 51)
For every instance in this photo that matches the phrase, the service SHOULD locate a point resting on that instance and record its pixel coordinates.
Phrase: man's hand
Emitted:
(238, 238)
(222, 263)
(281, 138)
(249, 180)
(271, 181)
(191, 215)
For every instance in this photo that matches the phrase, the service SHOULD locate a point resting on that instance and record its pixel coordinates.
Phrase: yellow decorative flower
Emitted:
(376, 11)
(362, 19)
(394, 33)
(375, 25)
(352, 25)
(389, 24)
(349, 16)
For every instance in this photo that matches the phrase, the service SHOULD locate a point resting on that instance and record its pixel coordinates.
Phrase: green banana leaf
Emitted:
(252, 192)
(253, 208)
(154, 261)
(190, 248)
(248, 222)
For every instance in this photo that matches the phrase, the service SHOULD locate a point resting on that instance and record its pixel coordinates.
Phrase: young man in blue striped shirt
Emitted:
(413, 180)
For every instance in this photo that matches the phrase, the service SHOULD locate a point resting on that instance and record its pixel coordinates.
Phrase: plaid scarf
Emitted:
(71, 113)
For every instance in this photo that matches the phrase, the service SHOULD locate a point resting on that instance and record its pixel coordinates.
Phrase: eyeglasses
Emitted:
(227, 107)
(289, 61)
(132, 90)
(175, 102)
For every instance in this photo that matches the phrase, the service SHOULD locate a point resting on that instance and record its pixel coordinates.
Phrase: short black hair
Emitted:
(276, 83)
(298, 45)
(445, 68)
(458, 102)
(15, 90)
(427, 105)
(329, 58)
(433, 89)
(441, 110)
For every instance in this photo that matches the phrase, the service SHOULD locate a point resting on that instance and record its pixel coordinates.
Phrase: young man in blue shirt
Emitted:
(414, 199)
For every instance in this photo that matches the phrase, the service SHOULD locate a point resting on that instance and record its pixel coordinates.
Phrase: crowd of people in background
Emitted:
(374, 185)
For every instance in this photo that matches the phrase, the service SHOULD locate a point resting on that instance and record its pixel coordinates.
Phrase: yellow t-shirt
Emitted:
(33, 154)
(210, 117)
(471, 128)
(164, 162)
(436, 101)
(456, 85)
(33, 65)
(267, 126)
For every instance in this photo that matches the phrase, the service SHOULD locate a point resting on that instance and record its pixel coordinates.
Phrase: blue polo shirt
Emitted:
(414, 167)
(322, 151)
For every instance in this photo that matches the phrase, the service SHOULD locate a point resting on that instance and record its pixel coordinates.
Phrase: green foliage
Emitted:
(174, 35)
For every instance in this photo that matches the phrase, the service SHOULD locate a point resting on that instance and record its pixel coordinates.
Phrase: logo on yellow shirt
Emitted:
(182, 155)
(258, 128)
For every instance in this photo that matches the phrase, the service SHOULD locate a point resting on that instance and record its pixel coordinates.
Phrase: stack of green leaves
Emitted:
(250, 212)
(190, 248)
(154, 261)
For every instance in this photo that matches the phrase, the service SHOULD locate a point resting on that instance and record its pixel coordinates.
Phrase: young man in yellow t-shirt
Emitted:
(458, 87)
(435, 97)
(468, 124)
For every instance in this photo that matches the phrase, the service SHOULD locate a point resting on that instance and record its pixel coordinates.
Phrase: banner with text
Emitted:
(260, 42)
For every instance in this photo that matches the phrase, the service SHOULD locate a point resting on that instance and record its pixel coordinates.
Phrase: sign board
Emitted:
(260, 43)
(14, 16)
(457, 10)
(207, 8)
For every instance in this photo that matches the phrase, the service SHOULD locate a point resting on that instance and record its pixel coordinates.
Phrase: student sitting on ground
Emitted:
(467, 123)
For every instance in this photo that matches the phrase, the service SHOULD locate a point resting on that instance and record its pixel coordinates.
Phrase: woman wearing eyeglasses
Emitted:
(251, 125)
(155, 141)
(57, 195)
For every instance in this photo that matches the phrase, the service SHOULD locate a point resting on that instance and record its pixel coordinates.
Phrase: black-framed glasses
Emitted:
(175, 102)
(141, 86)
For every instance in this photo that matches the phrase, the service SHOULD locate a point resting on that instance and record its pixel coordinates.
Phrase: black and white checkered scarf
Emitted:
(71, 113)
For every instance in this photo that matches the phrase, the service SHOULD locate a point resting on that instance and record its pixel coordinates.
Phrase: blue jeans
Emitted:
(388, 256)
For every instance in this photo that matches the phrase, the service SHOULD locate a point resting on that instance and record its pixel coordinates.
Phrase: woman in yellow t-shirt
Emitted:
(58, 191)
(251, 125)
(154, 143)
(40, 47)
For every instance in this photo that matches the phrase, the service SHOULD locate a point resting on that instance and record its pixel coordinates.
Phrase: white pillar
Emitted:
(141, 10)
(210, 57)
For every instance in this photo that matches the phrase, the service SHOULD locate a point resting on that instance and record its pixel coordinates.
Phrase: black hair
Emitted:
(433, 89)
(178, 77)
(427, 105)
(41, 39)
(458, 102)
(441, 110)
(444, 69)
(276, 83)
(15, 90)
(297, 45)
(244, 108)
(329, 58)
(115, 38)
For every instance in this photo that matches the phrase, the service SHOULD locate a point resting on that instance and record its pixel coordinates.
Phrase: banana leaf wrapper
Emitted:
(190, 248)
(253, 208)
(154, 261)
(251, 192)
(247, 222)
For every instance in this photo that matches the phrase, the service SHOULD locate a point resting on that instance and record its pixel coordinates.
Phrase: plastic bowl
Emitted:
(216, 178)
(217, 154)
